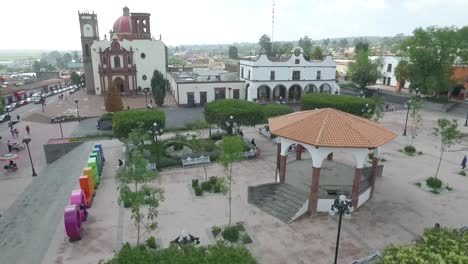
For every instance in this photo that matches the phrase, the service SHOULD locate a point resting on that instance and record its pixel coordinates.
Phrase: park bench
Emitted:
(195, 161)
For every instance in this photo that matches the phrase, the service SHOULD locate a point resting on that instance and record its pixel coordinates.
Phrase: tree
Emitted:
(113, 101)
(76, 57)
(343, 43)
(448, 134)
(75, 78)
(233, 52)
(67, 58)
(232, 148)
(431, 53)
(158, 86)
(437, 245)
(317, 54)
(265, 44)
(245, 113)
(403, 71)
(416, 117)
(361, 46)
(326, 42)
(363, 70)
(143, 195)
(282, 48)
(379, 106)
(306, 44)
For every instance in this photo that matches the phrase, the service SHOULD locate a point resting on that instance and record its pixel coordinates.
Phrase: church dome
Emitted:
(124, 23)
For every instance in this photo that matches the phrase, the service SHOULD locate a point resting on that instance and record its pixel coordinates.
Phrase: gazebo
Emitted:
(322, 132)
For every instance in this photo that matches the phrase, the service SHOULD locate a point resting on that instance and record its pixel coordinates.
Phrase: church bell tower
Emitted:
(89, 33)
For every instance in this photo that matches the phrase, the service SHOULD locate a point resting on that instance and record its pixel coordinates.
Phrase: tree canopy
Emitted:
(113, 101)
(158, 87)
(306, 44)
(265, 44)
(317, 54)
(233, 52)
(431, 53)
(364, 71)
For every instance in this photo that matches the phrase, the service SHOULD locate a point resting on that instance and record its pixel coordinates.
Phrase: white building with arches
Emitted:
(287, 79)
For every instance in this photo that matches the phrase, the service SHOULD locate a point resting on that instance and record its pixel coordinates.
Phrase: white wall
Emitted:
(208, 87)
(155, 58)
(386, 60)
(324, 205)
(364, 197)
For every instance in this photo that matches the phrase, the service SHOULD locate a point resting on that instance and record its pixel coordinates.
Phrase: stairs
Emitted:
(282, 201)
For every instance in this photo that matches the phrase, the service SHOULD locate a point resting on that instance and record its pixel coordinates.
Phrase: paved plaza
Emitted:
(31, 225)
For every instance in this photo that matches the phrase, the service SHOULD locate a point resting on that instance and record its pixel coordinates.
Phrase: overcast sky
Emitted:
(53, 24)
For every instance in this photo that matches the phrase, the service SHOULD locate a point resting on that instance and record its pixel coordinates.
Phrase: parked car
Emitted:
(4, 117)
(10, 107)
(29, 99)
(23, 102)
(39, 100)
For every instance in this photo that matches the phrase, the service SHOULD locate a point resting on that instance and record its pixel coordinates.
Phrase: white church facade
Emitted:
(128, 58)
(273, 79)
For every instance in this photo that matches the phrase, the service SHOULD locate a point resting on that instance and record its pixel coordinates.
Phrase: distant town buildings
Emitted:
(288, 78)
(128, 58)
(387, 67)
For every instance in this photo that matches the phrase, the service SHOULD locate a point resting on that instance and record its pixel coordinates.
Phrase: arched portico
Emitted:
(119, 84)
(310, 88)
(279, 92)
(295, 92)
(325, 88)
(321, 146)
(263, 93)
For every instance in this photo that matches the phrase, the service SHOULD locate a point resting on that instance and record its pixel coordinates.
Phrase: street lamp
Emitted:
(9, 117)
(77, 111)
(341, 205)
(408, 107)
(146, 91)
(230, 124)
(59, 120)
(26, 141)
(466, 121)
(157, 131)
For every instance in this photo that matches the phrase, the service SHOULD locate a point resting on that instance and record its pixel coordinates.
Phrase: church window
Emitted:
(144, 77)
(143, 55)
(117, 62)
(129, 59)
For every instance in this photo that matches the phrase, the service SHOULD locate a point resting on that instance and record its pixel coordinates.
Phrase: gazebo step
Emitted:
(296, 190)
(280, 204)
(274, 213)
(288, 197)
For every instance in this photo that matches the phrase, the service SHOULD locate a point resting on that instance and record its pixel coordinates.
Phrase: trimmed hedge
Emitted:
(245, 113)
(346, 103)
(272, 110)
(124, 121)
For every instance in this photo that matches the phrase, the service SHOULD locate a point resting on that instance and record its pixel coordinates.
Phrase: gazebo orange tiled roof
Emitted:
(329, 127)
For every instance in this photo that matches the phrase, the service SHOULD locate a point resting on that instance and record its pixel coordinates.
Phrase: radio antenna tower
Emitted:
(273, 21)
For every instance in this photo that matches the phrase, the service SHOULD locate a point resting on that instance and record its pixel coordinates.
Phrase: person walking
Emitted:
(12, 132)
(18, 117)
(27, 129)
(16, 132)
(463, 164)
(9, 146)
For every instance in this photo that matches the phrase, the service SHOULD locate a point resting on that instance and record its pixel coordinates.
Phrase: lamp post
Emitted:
(146, 91)
(230, 124)
(9, 118)
(157, 131)
(77, 110)
(60, 119)
(341, 205)
(408, 107)
(27, 141)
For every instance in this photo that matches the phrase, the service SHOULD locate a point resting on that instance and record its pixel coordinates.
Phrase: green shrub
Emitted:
(240, 226)
(371, 156)
(246, 239)
(231, 234)
(213, 180)
(272, 110)
(245, 113)
(346, 103)
(217, 136)
(206, 186)
(462, 173)
(221, 252)
(178, 145)
(198, 191)
(124, 121)
(214, 155)
(151, 242)
(448, 188)
(165, 162)
(418, 184)
(194, 183)
(216, 230)
(434, 183)
(410, 149)
(217, 188)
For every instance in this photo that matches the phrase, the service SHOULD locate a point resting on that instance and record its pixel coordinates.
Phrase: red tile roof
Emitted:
(329, 127)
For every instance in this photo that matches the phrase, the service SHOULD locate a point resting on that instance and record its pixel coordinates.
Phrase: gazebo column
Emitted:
(283, 160)
(356, 186)
(313, 196)
(278, 155)
(375, 163)
(299, 150)
(330, 156)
